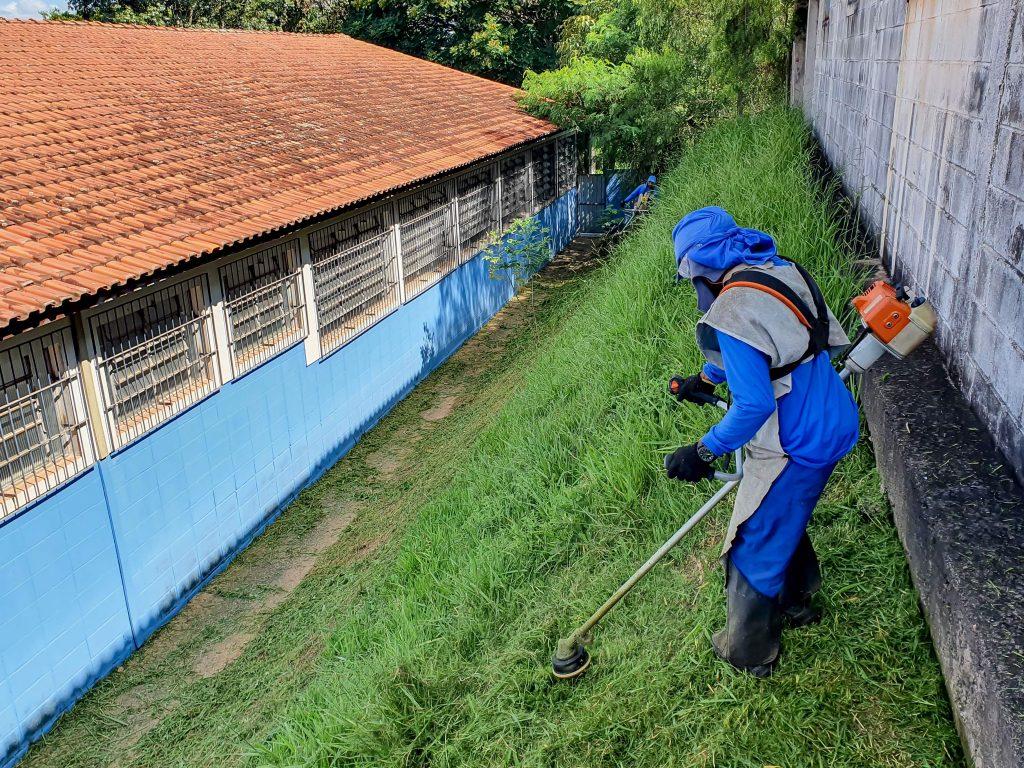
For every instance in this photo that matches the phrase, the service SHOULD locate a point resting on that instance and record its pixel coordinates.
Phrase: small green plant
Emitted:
(518, 251)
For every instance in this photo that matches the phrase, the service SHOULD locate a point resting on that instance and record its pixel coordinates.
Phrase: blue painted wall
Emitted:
(89, 573)
(64, 617)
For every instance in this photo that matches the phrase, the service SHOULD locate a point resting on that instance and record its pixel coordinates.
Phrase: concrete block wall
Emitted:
(88, 573)
(851, 72)
(919, 104)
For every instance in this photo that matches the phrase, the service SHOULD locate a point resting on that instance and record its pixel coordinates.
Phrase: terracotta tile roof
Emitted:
(126, 149)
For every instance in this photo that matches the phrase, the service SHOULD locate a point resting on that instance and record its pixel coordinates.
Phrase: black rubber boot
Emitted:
(803, 579)
(753, 627)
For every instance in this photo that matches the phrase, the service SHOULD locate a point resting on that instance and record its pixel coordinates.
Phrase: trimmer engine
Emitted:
(891, 321)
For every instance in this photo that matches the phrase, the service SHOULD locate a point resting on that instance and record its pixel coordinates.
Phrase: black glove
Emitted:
(686, 389)
(686, 465)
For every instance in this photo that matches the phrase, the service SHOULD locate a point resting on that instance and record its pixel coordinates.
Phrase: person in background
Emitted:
(766, 333)
(640, 198)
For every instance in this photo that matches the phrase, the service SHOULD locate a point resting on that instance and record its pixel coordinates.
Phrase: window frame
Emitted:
(567, 164)
(526, 207)
(383, 238)
(424, 277)
(291, 283)
(21, 495)
(119, 438)
(544, 152)
(470, 245)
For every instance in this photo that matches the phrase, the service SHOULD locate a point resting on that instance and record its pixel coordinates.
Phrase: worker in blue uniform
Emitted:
(642, 196)
(766, 333)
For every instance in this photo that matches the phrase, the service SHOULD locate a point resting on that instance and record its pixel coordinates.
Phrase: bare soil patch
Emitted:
(214, 659)
(327, 533)
(441, 410)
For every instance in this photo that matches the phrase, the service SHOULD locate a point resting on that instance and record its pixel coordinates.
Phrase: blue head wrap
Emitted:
(652, 179)
(708, 243)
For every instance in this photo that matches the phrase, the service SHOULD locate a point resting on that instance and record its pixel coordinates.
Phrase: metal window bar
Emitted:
(516, 192)
(355, 278)
(156, 357)
(545, 172)
(264, 305)
(478, 210)
(567, 163)
(428, 237)
(44, 435)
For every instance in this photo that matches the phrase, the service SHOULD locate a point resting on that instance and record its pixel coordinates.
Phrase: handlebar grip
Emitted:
(720, 476)
(707, 399)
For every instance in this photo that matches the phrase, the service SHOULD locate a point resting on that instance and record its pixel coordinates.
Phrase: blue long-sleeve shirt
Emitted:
(641, 189)
(818, 419)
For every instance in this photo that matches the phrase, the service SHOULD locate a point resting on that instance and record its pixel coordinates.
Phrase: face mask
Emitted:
(707, 292)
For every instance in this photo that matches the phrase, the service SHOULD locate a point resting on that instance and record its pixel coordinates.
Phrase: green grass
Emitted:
(442, 657)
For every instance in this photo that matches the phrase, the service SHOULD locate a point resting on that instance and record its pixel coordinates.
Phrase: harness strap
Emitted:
(816, 322)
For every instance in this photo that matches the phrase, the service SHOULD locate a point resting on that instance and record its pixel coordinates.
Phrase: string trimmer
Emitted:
(891, 322)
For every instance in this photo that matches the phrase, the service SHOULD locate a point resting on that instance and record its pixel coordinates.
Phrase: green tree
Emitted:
(237, 14)
(636, 113)
(640, 76)
(499, 39)
(750, 47)
(518, 251)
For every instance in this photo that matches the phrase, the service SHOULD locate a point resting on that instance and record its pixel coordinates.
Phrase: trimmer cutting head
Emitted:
(570, 659)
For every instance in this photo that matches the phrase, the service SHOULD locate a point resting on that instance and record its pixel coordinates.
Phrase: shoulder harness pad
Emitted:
(816, 322)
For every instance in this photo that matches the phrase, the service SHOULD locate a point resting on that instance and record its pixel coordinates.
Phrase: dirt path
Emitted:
(207, 684)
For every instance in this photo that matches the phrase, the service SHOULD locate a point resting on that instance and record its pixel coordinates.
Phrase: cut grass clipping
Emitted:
(444, 661)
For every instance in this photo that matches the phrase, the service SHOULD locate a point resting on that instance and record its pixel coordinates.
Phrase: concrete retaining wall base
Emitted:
(960, 515)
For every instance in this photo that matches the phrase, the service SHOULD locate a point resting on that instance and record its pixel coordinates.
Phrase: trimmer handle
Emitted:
(675, 385)
(722, 477)
(714, 400)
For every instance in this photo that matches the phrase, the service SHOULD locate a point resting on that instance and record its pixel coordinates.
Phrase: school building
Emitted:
(223, 256)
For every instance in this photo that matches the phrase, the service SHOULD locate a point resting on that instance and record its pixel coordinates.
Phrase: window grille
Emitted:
(567, 163)
(427, 229)
(156, 357)
(264, 305)
(355, 276)
(545, 181)
(478, 211)
(44, 436)
(516, 193)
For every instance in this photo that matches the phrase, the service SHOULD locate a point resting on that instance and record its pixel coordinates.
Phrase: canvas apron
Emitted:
(768, 325)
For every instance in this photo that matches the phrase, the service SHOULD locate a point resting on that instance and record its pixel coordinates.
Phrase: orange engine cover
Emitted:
(883, 313)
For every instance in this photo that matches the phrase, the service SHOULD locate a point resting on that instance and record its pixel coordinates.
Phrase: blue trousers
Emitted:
(765, 542)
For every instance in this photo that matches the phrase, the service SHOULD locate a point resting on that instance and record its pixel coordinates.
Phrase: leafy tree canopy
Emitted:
(641, 75)
(499, 39)
(236, 14)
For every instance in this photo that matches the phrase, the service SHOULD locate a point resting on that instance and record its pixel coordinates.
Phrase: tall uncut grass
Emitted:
(444, 660)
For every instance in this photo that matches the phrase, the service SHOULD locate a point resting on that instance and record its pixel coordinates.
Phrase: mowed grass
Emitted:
(443, 660)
